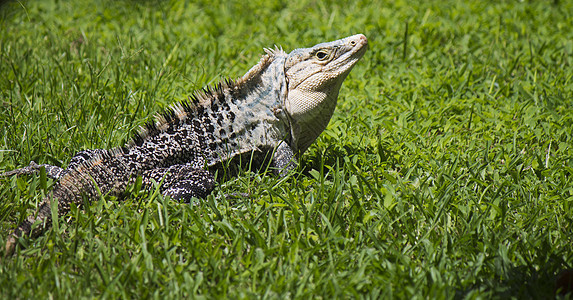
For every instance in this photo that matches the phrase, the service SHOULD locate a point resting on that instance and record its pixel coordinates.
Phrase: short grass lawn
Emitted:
(446, 171)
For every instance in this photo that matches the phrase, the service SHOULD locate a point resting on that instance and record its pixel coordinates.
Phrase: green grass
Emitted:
(446, 171)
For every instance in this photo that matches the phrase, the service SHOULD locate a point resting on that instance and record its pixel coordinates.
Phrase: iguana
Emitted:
(267, 118)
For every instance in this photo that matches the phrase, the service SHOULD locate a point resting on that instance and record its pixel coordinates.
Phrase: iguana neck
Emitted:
(314, 77)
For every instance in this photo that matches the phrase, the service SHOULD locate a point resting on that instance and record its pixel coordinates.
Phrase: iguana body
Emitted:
(268, 117)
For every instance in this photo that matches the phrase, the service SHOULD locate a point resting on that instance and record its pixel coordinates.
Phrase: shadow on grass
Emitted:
(523, 282)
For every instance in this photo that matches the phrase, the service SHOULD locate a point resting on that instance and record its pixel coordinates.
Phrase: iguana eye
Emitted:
(322, 55)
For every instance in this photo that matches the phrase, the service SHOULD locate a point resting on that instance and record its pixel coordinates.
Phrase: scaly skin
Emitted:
(267, 118)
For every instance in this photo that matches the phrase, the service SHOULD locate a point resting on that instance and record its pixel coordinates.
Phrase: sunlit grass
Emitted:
(446, 171)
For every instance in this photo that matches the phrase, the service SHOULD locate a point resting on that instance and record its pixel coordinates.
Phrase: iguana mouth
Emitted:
(353, 49)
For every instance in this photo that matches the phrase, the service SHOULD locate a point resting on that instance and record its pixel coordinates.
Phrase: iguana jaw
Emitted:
(314, 76)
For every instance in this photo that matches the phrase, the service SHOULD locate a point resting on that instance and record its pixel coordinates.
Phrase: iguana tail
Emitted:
(69, 188)
(29, 228)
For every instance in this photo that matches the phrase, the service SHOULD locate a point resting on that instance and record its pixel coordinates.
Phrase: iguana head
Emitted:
(314, 76)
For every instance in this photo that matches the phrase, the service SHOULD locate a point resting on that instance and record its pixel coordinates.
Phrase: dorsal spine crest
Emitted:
(211, 98)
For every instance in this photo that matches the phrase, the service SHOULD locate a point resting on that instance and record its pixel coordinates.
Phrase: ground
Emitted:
(446, 171)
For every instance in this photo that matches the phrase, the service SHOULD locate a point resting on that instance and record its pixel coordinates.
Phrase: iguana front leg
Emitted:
(284, 160)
